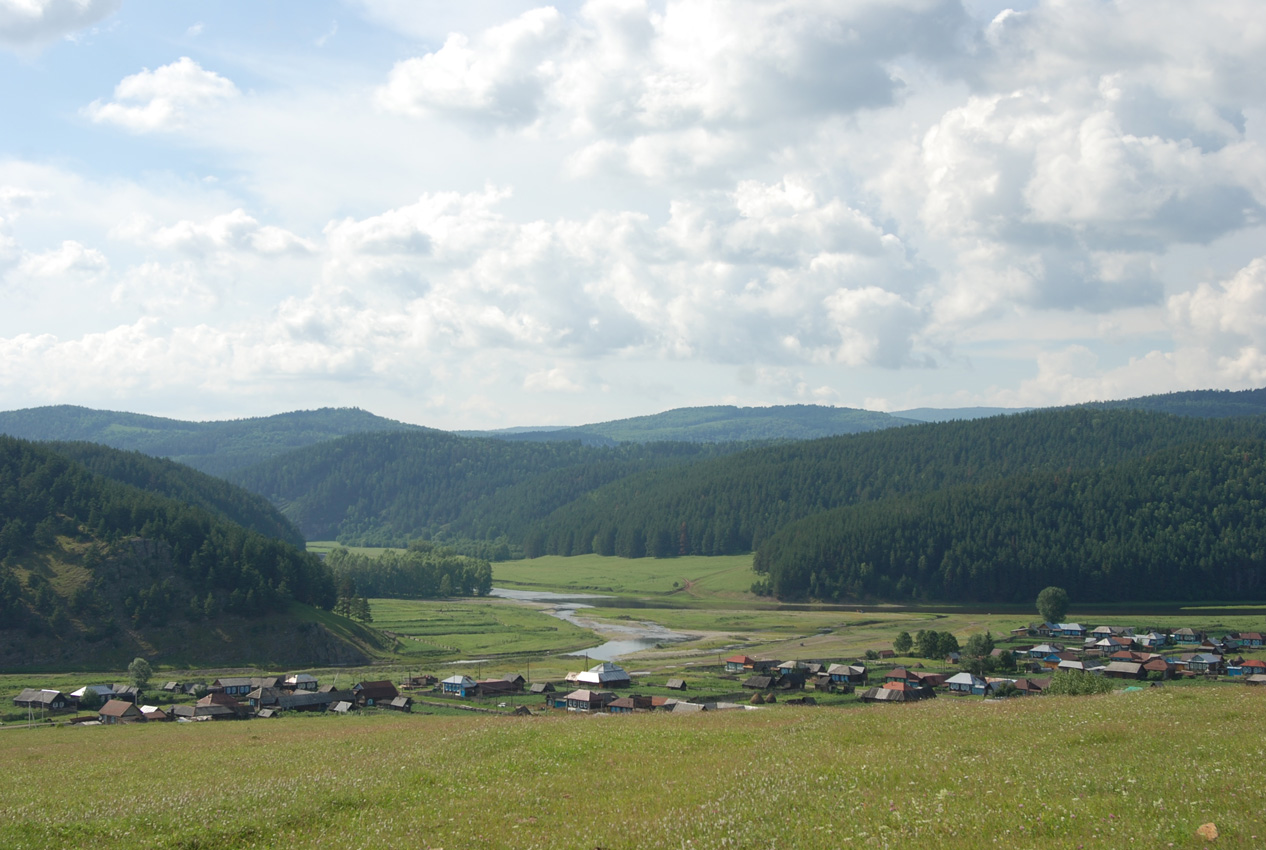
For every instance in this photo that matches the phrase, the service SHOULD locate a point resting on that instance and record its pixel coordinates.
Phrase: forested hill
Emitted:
(213, 447)
(87, 563)
(732, 504)
(184, 484)
(1206, 403)
(390, 488)
(1184, 523)
(718, 424)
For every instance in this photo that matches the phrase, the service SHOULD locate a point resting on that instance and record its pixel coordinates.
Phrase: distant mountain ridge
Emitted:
(215, 447)
(715, 424)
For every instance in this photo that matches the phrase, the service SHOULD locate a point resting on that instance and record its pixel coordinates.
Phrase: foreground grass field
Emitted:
(1143, 769)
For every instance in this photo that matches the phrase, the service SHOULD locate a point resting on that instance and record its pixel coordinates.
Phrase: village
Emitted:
(1110, 652)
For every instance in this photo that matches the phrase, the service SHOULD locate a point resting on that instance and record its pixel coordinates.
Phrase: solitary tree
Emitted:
(1052, 604)
(140, 671)
(902, 644)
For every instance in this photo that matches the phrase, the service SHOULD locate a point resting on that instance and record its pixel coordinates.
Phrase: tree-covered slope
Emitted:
(212, 447)
(718, 424)
(1187, 522)
(1206, 403)
(732, 504)
(83, 557)
(391, 488)
(184, 484)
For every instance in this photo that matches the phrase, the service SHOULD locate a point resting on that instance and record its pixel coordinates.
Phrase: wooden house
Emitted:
(154, 714)
(459, 686)
(1125, 670)
(542, 688)
(1204, 662)
(312, 701)
(966, 683)
(606, 675)
(120, 711)
(1187, 637)
(760, 682)
(400, 704)
(676, 684)
(739, 663)
(43, 699)
(629, 704)
(854, 674)
(372, 693)
(300, 682)
(587, 700)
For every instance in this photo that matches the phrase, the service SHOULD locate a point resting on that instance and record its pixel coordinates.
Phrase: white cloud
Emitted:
(501, 79)
(70, 258)
(31, 23)
(554, 380)
(163, 99)
(233, 231)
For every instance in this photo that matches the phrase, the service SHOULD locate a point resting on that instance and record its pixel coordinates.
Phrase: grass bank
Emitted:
(1142, 769)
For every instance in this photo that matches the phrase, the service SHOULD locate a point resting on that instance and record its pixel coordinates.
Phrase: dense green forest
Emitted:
(113, 546)
(1184, 523)
(213, 447)
(422, 571)
(717, 424)
(732, 504)
(179, 482)
(387, 489)
(1205, 403)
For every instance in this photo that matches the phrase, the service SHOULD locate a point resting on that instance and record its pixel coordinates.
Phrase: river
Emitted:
(626, 638)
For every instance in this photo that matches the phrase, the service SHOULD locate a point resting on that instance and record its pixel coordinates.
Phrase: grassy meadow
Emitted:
(474, 628)
(1142, 769)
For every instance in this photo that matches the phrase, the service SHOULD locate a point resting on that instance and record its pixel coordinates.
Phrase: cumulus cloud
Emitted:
(70, 258)
(659, 93)
(163, 99)
(766, 270)
(31, 23)
(500, 79)
(554, 380)
(233, 231)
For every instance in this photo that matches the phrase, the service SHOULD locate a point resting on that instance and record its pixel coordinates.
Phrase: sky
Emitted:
(481, 215)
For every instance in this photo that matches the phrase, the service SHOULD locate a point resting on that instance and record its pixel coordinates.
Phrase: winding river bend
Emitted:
(626, 638)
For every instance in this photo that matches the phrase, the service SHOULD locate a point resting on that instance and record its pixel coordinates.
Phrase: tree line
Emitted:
(423, 571)
(153, 555)
(1184, 523)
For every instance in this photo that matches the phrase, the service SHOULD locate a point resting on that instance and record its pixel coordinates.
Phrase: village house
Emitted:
(236, 686)
(1204, 662)
(42, 700)
(309, 701)
(1125, 670)
(459, 686)
(676, 684)
(739, 663)
(119, 711)
(1187, 636)
(847, 674)
(400, 703)
(300, 682)
(629, 704)
(966, 683)
(154, 714)
(606, 675)
(372, 693)
(587, 700)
